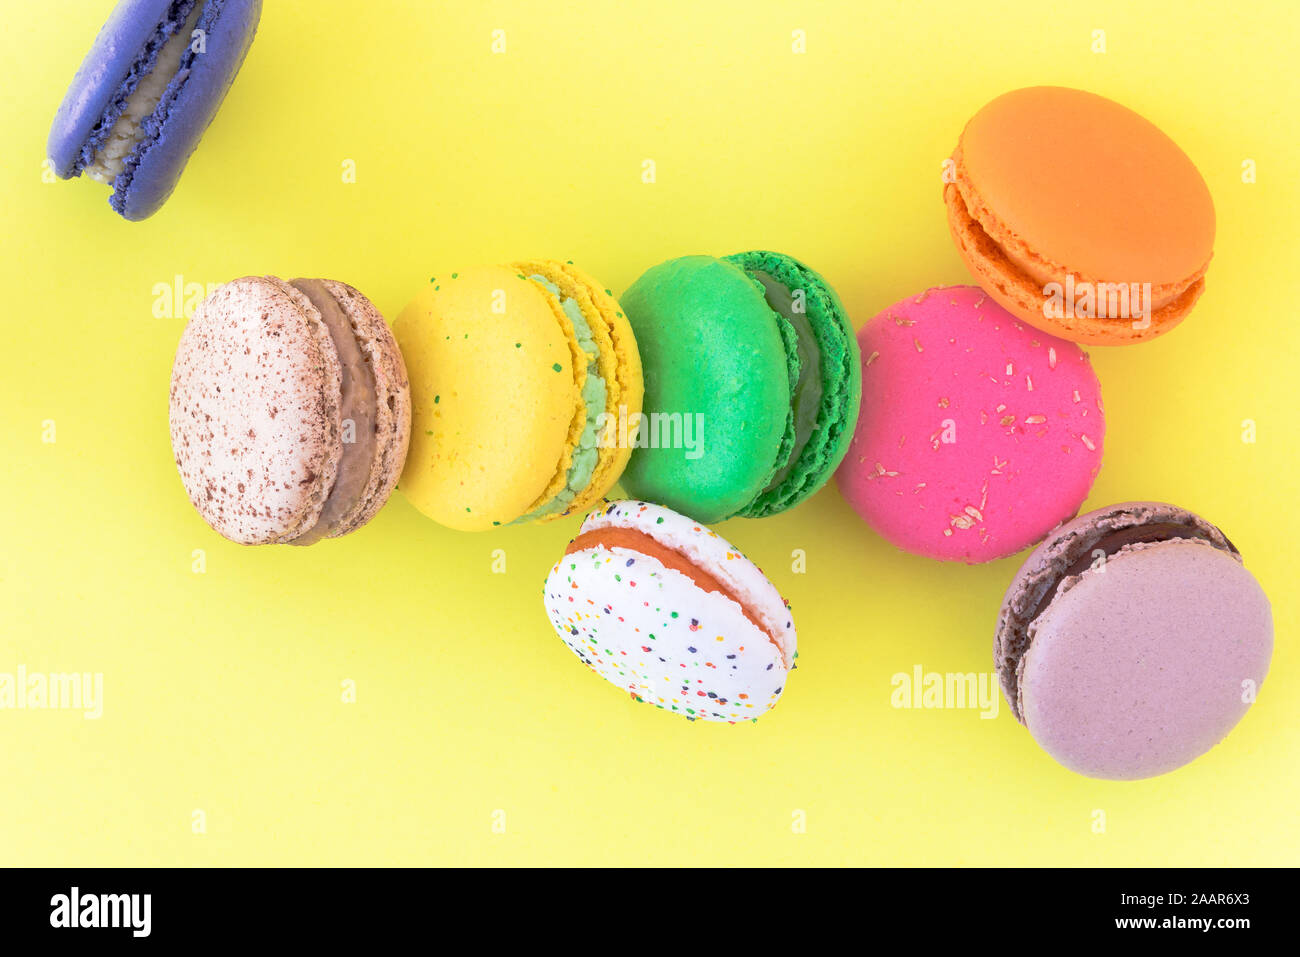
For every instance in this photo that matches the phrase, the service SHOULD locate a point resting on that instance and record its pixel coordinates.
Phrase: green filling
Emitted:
(807, 396)
(587, 452)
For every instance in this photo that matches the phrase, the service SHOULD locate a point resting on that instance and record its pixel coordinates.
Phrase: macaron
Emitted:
(751, 384)
(977, 434)
(526, 386)
(290, 410)
(145, 93)
(1132, 640)
(669, 611)
(1079, 216)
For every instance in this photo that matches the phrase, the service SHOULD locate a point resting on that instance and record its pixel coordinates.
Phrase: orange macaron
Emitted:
(1079, 216)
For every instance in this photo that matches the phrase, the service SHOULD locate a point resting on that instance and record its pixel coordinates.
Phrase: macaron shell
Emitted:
(977, 435)
(708, 550)
(1148, 663)
(392, 402)
(619, 364)
(1050, 562)
(711, 349)
(1079, 184)
(100, 83)
(841, 382)
(1022, 295)
(654, 632)
(187, 109)
(254, 410)
(1090, 185)
(493, 396)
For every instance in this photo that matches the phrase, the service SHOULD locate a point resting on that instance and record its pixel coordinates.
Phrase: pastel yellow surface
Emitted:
(371, 143)
(493, 395)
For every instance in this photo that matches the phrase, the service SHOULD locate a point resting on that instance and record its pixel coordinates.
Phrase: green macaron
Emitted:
(752, 384)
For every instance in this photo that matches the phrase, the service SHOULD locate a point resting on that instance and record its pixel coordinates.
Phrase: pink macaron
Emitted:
(977, 434)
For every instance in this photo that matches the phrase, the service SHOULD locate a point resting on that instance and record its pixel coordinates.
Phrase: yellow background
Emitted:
(222, 689)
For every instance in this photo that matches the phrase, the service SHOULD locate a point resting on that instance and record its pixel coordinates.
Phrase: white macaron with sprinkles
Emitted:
(668, 610)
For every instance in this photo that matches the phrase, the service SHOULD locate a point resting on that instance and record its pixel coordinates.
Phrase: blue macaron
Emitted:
(145, 94)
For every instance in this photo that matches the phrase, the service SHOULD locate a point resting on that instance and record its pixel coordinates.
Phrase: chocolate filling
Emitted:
(612, 537)
(357, 407)
(1111, 542)
(1110, 535)
(807, 397)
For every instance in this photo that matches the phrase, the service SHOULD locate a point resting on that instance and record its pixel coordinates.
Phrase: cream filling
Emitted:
(595, 393)
(357, 410)
(126, 134)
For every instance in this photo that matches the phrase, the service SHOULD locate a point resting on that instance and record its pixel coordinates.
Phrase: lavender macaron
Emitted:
(145, 94)
(1132, 640)
(290, 410)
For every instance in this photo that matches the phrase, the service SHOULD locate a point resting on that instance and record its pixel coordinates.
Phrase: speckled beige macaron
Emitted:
(290, 410)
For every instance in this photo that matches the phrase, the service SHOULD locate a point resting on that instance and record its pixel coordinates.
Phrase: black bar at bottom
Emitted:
(90, 907)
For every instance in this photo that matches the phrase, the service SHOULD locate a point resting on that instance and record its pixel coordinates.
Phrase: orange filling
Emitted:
(611, 537)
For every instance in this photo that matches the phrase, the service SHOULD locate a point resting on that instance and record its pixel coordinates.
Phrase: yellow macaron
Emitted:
(525, 389)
